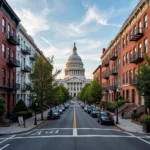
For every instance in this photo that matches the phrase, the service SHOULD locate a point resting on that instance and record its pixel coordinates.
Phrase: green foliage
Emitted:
(25, 114)
(113, 105)
(43, 82)
(20, 106)
(2, 106)
(60, 94)
(145, 120)
(143, 81)
(92, 92)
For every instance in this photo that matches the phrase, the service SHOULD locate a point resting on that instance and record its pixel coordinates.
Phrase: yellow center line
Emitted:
(74, 120)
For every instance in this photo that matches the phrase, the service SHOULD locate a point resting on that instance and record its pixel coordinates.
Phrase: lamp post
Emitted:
(117, 122)
(35, 121)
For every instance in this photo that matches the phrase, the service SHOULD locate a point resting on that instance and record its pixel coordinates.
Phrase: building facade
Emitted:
(125, 54)
(74, 79)
(26, 54)
(8, 62)
(97, 74)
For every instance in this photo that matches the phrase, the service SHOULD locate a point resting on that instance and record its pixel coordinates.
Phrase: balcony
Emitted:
(136, 35)
(13, 40)
(23, 87)
(132, 82)
(105, 63)
(106, 76)
(26, 69)
(136, 58)
(11, 86)
(113, 72)
(114, 87)
(12, 62)
(33, 57)
(113, 56)
(26, 51)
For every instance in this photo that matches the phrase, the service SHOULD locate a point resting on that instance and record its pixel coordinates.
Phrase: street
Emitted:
(75, 130)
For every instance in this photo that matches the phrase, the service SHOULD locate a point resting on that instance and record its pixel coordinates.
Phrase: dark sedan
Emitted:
(89, 109)
(105, 118)
(95, 112)
(54, 114)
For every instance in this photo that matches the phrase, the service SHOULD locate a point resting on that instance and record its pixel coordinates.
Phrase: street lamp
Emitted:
(35, 121)
(117, 122)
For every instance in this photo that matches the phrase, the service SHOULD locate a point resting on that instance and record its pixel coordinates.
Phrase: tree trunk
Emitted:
(42, 118)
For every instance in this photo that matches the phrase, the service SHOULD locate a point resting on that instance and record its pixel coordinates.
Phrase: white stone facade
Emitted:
(74, 79)
(26, 55)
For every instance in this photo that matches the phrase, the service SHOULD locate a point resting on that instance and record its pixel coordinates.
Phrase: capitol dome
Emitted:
(74, 66)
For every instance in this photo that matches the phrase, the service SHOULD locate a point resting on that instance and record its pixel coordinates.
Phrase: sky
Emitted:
(56, 24)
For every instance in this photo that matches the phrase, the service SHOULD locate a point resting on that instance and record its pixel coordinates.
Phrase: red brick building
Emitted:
(97, 74)
(8, 62)
(125, 54)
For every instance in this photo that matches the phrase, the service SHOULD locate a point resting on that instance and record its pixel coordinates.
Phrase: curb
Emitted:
(26, 130)
(131, 131)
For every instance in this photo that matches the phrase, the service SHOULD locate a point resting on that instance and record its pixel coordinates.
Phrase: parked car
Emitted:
(60, 110)
(95, 112)
(63, 107)
(66, 105)
(105, 117)
(53, 114)
(89, 109)
(85, 107)
(82, 105)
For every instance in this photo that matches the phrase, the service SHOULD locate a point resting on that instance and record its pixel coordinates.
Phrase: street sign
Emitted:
(21, 121)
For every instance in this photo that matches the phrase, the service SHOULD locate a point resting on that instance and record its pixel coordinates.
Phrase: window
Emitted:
(139, 27)
(13, 75)
(134, 50)
(13, 54)
(134, 30)
(123, 60)
(123, 43)
(134, 72)
(130, 75)
(13, 32)
(9, 32)
(140, 50)
(3, 25)
(130, 34)
(13, 100)
(8, 52)
(123, 78)
(9, 78)
(127, 40)
(145, 21)
(145, 46)
(3, 51)
(127, 58)
(3, 76)
(130, 55)
(127, 77)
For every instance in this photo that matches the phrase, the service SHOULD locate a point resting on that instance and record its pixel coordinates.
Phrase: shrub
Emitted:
(25, 114)
(113, 105)
(20, 106)
(145, 120)
(2, 106)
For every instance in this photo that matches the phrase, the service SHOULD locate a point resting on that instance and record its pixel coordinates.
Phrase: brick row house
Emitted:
(97, 73)
(125, 54)
(18, 52)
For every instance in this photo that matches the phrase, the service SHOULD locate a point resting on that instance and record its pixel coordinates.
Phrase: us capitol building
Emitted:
(74, 79)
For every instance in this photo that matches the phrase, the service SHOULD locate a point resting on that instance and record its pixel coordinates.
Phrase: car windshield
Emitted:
(96, 109)
(104, 114)
(55, 111)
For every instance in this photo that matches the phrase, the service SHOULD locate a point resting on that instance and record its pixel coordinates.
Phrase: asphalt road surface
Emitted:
(75, 130)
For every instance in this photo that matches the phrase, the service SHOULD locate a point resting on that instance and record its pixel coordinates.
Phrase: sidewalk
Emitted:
(127, 125)
(15, 128)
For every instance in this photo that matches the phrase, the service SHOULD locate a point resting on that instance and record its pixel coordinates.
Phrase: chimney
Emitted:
(104, 49)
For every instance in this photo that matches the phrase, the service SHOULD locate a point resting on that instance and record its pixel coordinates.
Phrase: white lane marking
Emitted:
(63, 136)
(8, 138)
(4, 146)
(46, 132)
(75, 132)
(51, 132)
(37, 133)
(77, 129)
(138, 138)
(56, 132)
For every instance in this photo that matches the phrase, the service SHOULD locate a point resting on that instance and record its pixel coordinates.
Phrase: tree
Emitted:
(42, 81)
(20, 106)
(2, 106)
(97, 91)
(143, 83)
